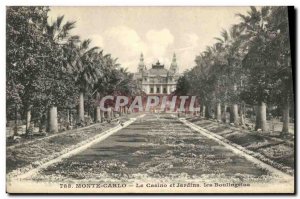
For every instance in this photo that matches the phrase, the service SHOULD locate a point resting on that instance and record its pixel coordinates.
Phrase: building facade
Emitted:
(157, 79)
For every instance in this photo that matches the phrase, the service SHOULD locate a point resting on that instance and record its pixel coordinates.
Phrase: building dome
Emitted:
(157, 79)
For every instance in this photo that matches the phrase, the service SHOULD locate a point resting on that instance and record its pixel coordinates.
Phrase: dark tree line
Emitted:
(250, 64)
(49, 70)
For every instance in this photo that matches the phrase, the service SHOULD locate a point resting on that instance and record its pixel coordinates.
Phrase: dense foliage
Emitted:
(49, 68)
(250, 64)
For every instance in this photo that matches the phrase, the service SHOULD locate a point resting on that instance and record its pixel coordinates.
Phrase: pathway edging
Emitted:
(237, 149)
(73, 151)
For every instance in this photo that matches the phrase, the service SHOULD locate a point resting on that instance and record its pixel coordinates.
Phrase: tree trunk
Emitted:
(261, 117)
(112, 113)
(242, 115)
(81, 107)
(285, 117)
(68, 117)
(218, 111)
(224, 113)
(97, 114)
(207, 112)
(71, 119)
(28, 118)
(69, 124)
(43, 123)
(52, 120)
(234, 114)
(101, 115)
(121, 111)
(242, 119)
(231, 117)
(203, 111)
(41, 126)
(16, 121)
(109, 114)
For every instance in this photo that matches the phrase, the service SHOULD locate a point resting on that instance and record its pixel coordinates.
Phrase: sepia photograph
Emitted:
(150, 100)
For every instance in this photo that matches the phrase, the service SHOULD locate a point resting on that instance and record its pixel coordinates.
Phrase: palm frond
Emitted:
(219, 39)
(265, 11)
(91, 50)
(225, 35)
(253, 9)
(245, 18)
(85, 44)
(68, 26)
(59, 20)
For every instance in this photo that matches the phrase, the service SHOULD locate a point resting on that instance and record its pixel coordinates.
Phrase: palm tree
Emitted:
(230, 44)
(254, 27)
(85, 71)
(58, 35)
(206, 79)
(115, 81)
(104, 66)
(281, 57)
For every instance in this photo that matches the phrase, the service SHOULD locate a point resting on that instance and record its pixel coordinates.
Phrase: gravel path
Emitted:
(156, 150)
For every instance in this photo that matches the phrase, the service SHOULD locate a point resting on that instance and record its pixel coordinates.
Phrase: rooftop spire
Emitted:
(174, 57)
(142, 57)
(174, 67)
(141, 66)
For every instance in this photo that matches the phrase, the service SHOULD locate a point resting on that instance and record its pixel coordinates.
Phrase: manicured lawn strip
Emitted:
(26, 140)
(40, 151)
(281, 151)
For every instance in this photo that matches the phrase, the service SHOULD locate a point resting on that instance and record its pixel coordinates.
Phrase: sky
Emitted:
(157, 32)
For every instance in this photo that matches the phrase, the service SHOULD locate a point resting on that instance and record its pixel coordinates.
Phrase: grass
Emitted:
(39, 151)
(280, 150)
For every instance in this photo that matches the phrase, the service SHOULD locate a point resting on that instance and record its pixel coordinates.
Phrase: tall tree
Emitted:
(58, 75)
(256, 62)
(26, 44)
(232, 51)
(282, 94)
(86, 74)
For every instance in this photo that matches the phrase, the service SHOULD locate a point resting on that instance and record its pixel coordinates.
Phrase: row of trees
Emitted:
(49, 69)
(250, 64)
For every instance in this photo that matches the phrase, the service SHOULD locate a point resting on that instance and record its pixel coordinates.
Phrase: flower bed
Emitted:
(25, 156)
(272, 150)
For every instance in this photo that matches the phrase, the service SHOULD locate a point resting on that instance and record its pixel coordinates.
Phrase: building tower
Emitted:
(142, 65)
(174, 67)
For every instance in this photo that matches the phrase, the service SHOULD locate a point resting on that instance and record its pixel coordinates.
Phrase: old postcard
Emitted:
(150, 100)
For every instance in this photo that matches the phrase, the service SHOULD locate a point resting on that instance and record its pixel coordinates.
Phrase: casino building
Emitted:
(157, 79)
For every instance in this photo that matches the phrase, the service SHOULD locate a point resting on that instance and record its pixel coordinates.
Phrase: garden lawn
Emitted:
(33, 154)
(273, 147)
